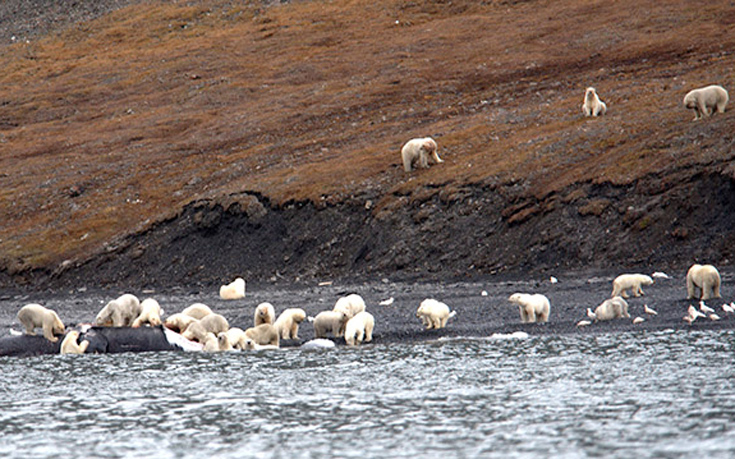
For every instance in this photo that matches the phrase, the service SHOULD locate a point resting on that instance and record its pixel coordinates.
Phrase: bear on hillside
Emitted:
(421, 151)
(592, 105)
(705, 101)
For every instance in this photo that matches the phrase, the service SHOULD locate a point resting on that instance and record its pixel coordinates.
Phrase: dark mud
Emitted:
(478, 315)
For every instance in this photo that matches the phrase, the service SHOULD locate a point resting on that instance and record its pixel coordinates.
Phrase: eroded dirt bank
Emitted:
(430, 236)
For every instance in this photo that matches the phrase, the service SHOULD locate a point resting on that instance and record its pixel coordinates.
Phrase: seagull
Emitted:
(484, 293)
(639, 320)
(704, 308)
(387, 302)
(591, 314)
(583, 323)
(714, 316)
(649, 311)
(689, 319)
(693, 313)
(728, 309)
(553, 280)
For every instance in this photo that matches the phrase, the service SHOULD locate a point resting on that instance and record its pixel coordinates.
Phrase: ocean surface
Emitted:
(636, 394)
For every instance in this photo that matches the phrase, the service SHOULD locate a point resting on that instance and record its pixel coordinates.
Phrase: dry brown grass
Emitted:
(120, 122)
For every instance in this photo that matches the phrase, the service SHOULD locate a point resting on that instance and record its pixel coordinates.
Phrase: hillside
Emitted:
(188, 142)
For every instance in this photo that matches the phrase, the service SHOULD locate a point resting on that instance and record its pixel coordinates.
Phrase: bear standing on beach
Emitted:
(631, 282)
(35, 315)
(706, 278)
(533, 308)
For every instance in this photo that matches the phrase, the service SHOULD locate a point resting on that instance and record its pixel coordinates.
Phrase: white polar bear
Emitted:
(120, 312)
(263, 335)
(150, 313)
(34, 315)
(592, 105)
(197, 311)
(533, 307)
(179, 322)
(613, 308)
(421, 151)
(706, 278)
(434, 314)
(359, 329)
(288, 322)
(70, 345)
(351, 305)
(265, 313)
(704, 101)
(631, 282)
(327, 321)
(234, 290)
(213, 323)
(237, 337)
(217, 343)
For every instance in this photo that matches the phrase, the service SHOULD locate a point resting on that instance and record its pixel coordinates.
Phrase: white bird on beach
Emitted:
(693, 313)
(553, 280)
(728, 308)
(583, 323)
(714, 316)
(704, 308)
(638, 320)
(649, 311)
(689, 319)
(591, 314)
(387, 302)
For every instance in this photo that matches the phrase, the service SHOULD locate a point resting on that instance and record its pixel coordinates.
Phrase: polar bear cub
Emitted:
(351, 305)
(234, 290)
(120, 312)
(359, 329)
(706, 278)
(263, 335)
(704, 101)
(217, 343)
(34, 315)
(265, 313)
(288, 322)
(533, 307)
(613, 308)
(592, 105)
(434, 314)
(70, 344)
(632, 282)
(419, 150)
(150, 313)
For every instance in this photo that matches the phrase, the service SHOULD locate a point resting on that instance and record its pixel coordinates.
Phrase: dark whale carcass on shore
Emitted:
(102, 340)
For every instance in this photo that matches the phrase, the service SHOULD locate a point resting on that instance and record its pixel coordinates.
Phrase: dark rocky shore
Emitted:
(478, 315)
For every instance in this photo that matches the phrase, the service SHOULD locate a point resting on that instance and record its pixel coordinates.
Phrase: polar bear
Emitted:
(234, 290)
(706, 278)
(178, 322)
(236, 335)
(704, 101)
(533, 307)
(120, 312)
(213, 323)
(327, 321)
(592, 105)
(263, 334)
(250, 344)
(613, 308)
(197, 311)
(70, 345)
(217, 343)
(34, 315)
(350, 305)
(421, 151)
(150, 313)
(288, 322)
(359, 328)
(434, 314)
(265, 313)
(631, 282)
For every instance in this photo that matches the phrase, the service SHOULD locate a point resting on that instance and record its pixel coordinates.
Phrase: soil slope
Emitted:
(155, 143)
